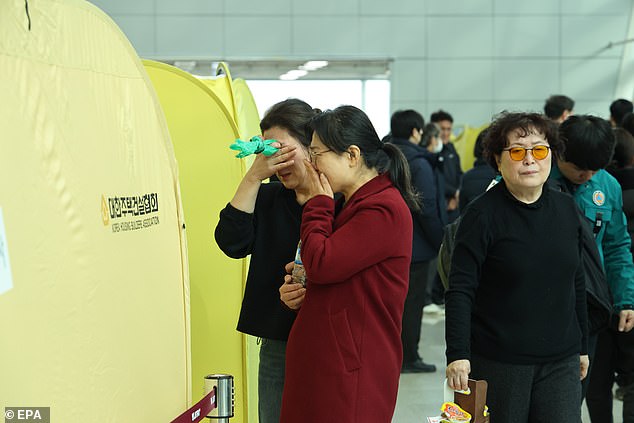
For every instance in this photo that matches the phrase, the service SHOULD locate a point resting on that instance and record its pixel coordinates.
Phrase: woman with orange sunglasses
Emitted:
(516, 304)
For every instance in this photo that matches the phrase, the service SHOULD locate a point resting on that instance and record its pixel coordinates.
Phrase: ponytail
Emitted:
(347, 125)
(398, 171)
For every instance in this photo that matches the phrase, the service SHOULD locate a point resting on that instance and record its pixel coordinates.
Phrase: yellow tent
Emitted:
(464, 144)
(247, 116)
(202, 129)
(94, 308)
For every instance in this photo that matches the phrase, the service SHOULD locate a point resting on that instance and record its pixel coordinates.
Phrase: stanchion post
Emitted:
(223, 384)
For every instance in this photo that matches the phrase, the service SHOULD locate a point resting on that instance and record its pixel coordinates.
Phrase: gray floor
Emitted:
(421, 395)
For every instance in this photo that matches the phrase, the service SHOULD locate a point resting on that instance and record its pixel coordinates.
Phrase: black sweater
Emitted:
(516, 288)
(270, 235)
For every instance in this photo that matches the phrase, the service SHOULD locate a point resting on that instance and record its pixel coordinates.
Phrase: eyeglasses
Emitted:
(540, 152)
(315, 154)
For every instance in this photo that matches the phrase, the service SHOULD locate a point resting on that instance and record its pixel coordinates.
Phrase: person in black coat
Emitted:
(407, 130)
(451, 167)
(477, 179)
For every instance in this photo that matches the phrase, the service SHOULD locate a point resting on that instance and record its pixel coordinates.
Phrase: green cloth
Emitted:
(254, 146)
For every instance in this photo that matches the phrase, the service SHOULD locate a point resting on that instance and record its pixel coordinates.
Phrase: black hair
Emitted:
(619, 108)
(429, 131)
(624, 148)
(589, 141)
(292, 114)
(496, 138)
(478, 148)
(344, 126)
(404, 121)
(628, 123)
(441, 115)
(556, 105)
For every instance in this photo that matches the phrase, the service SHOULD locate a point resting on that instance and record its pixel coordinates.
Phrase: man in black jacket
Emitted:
(451, 168)
(407, 129)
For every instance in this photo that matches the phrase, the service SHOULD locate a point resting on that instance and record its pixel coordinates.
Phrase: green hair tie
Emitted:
(255, 145)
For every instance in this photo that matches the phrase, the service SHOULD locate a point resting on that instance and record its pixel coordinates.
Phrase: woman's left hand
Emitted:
(584, 364)
(317, 182)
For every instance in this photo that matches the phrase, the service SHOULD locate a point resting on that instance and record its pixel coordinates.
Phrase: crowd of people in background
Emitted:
(546, 194)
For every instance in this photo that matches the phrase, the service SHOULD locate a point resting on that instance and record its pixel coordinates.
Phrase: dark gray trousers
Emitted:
(538, 393)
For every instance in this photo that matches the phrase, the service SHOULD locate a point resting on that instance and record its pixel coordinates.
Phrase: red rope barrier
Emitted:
(199, 410)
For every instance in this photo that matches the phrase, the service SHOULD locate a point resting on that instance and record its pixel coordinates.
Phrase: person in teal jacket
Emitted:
(580, 171)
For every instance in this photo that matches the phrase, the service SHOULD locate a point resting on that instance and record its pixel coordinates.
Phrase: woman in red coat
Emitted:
(343, 357)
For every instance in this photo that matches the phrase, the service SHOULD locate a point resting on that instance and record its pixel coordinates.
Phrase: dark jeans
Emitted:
(271, 380)
(537, 393)
(413, 311)
(613, 362)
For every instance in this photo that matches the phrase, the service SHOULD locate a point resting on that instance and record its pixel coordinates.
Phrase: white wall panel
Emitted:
(597, 7)
(536, 106)
(459, 80)
(326, 7)
(592, 80)
(473, 113)
(528, 36)
(393, 36)
(257, 7)
(525, 79)
(596, 108)
(459, 7)
(539, 7)
(419, 106)
(189, 36)
(450, 53)
(125, 7)
(578, 40)
(409, 80)
(460, 37)
(184, 7)
(326, 36)
(260, 43)
(393, 7)
(141, 32)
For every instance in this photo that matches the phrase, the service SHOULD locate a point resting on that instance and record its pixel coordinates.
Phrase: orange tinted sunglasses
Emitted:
(540, 152)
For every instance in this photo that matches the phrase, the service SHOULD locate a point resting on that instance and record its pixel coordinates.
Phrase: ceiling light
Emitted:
(293, 74)
(314, 65)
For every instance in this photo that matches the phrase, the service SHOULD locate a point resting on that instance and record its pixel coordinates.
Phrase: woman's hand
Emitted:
(458, 375)
(584, 364)
(292, 294)
(264, 167)
(317, 182)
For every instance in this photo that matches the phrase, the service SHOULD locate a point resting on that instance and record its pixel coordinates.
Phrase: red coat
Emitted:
(344, 353)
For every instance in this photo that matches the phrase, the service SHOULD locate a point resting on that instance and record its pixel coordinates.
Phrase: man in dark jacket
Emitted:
(451, 162)
(407, 128)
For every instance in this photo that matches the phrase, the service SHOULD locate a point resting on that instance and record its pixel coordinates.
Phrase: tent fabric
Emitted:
(201, 129)
(97, 320)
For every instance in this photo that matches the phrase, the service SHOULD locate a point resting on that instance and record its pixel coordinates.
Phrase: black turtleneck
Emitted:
(516, 289)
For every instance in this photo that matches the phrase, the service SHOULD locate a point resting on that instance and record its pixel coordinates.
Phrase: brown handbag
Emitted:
(474, 403)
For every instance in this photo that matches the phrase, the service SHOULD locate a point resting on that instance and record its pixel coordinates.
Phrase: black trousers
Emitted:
(613, 362)
(413, 311)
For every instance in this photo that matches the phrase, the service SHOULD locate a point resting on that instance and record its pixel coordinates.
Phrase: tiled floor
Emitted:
(421, 395)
